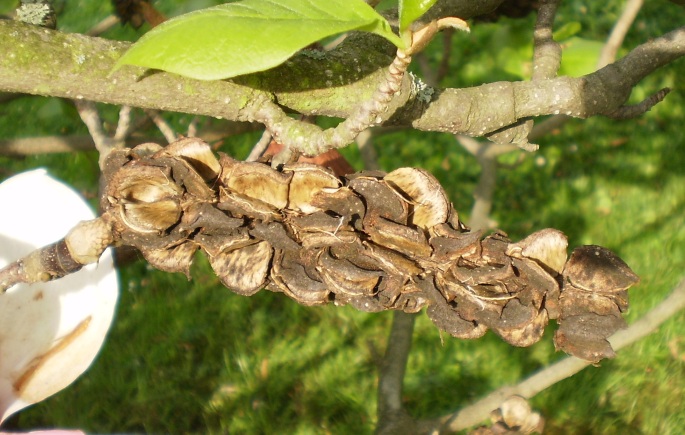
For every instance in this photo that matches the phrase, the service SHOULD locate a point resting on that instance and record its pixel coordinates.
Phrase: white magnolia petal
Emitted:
(49, 332)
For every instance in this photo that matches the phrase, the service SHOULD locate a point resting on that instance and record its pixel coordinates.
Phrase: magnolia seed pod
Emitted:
(197, 154)
(291, 277)
(244, 270)
(401, 238)
(146, 198)
(596, 269)
(308, 181)
(341, 276)
(258, 182)
(547, 247)
(380, 199)
(428, 200)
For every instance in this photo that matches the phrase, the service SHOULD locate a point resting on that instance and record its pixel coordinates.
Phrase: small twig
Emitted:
(261, 146)
(366, 149)
(635, 110)
(618, 33)
(162, 125)
(547, 52)
(103, 26)
(486, 153)
(192, 126)
(480, 410)
(607, 56)
(124, 126)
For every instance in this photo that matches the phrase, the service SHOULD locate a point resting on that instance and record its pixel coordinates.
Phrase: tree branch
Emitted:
(567, 367)
(44, 62)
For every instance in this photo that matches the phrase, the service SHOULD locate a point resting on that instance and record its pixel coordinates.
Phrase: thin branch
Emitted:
(618, 33)
(567, 367)
(366, 149)
(260, 146)
(391, 373)
(162, 125)
(635, 110)
(547, 52)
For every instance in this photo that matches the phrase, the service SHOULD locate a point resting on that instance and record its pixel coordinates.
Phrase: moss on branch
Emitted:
(46, 62)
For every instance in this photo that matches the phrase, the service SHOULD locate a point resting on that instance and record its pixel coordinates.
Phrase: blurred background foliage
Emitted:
(191, 357)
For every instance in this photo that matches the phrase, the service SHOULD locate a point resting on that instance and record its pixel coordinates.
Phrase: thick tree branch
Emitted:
(45, 62)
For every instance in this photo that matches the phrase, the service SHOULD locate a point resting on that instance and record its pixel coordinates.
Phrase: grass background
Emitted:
(191, 357)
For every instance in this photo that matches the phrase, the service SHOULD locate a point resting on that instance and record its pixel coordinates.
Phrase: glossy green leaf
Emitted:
(412, 10)
(579, 56)
(249, 36)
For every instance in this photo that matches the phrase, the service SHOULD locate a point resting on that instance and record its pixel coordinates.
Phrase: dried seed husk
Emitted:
(525, 335)
(214, 245)
(308, 180)
(381, 200)
(176, 259)
(184, 175)
(342, 202)
(448, 250)
(547, 247)
(428, 200)
(401, 238)
(197, 153)
(258, 182)
(289, 274)
(585, 336)
(318, 221)
(446, 316)
(538, 285)
(390, 261)
(209, 219)
(146, 198)
(494, 247)
(276, 234)
(325, 239)
(244, 270)
(150, 217)
(242, 206)
(597, 269)
(341, 276)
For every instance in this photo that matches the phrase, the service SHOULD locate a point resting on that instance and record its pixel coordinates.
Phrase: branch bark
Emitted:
(45, 62)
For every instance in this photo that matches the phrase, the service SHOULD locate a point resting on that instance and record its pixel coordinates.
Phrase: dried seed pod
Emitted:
(308, 181)
(596, 269)
(197, 153)
(258, 182)
(146, 198)
(176, 259)
(547, 247)
(290, 276)
(341, 276)
(401, 238)
(343, 202)
(244, 270)
(380, 199)
(428, 200)
(528, 334)
(214, 245)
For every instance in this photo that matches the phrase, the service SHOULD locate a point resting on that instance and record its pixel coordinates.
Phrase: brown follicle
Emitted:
(597, 269)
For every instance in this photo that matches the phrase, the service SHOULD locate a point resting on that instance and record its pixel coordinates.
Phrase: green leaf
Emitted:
(567, 30)
(248, 36)
(412, 10)
(579, 56)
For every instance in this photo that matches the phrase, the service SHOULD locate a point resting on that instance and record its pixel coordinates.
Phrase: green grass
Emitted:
(192, 357)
